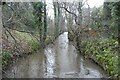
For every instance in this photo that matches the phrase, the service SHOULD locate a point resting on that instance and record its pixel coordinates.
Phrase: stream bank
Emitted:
(59, 60)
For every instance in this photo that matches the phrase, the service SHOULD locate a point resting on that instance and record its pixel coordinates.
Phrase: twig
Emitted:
(11, 35)
(11, 15)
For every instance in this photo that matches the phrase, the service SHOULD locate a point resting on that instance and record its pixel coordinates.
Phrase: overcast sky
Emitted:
(96, 3)
(92, 3)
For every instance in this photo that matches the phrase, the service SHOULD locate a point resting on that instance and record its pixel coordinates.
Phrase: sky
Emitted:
(91, 3)
(96, 3)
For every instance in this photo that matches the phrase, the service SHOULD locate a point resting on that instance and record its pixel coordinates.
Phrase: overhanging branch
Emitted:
(72, 14)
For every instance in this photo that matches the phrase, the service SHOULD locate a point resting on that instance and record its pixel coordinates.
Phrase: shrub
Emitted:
(105, 51)
(6, 58)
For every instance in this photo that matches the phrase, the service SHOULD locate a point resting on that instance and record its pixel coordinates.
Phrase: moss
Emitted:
(33, 44)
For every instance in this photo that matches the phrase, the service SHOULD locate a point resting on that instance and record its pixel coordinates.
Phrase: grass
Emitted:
(30, 40)
(105, 52)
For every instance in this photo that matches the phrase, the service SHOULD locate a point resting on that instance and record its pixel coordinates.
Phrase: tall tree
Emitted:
(38, 14)
(56, 18)
(45, 23)
(79, 30)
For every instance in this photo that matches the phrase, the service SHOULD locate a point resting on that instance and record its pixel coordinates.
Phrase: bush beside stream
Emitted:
(105, 52)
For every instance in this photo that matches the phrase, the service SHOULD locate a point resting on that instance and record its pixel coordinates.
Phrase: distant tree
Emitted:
(107, 10)
(78, 29)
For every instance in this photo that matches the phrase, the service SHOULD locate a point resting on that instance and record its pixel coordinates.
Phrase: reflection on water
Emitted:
(66, 57)
(50, 61)
(61, 60)
(32, 66)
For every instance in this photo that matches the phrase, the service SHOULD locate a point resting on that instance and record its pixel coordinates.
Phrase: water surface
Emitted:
(59, 60)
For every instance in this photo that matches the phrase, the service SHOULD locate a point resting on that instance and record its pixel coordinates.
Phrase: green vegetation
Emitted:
(6, 58)
(33, 44)
(29, 40)
(25, 44)
(28, 27)
(104, 51)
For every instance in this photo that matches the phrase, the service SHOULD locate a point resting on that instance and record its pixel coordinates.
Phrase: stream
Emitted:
(59, 60)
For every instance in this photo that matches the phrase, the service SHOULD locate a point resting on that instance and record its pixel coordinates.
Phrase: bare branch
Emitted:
(11, 35)
(19, 30)
(84, 2)
(72, 14)
(34, 37)
(11, 15)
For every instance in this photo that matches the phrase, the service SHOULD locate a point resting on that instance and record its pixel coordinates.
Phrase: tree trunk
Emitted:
(79, 30)
(45, 25)
(56, 18)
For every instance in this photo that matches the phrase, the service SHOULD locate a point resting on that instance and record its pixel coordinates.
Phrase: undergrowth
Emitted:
(105, 51)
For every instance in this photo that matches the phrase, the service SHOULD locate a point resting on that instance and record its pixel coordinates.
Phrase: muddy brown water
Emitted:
(60, 60)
